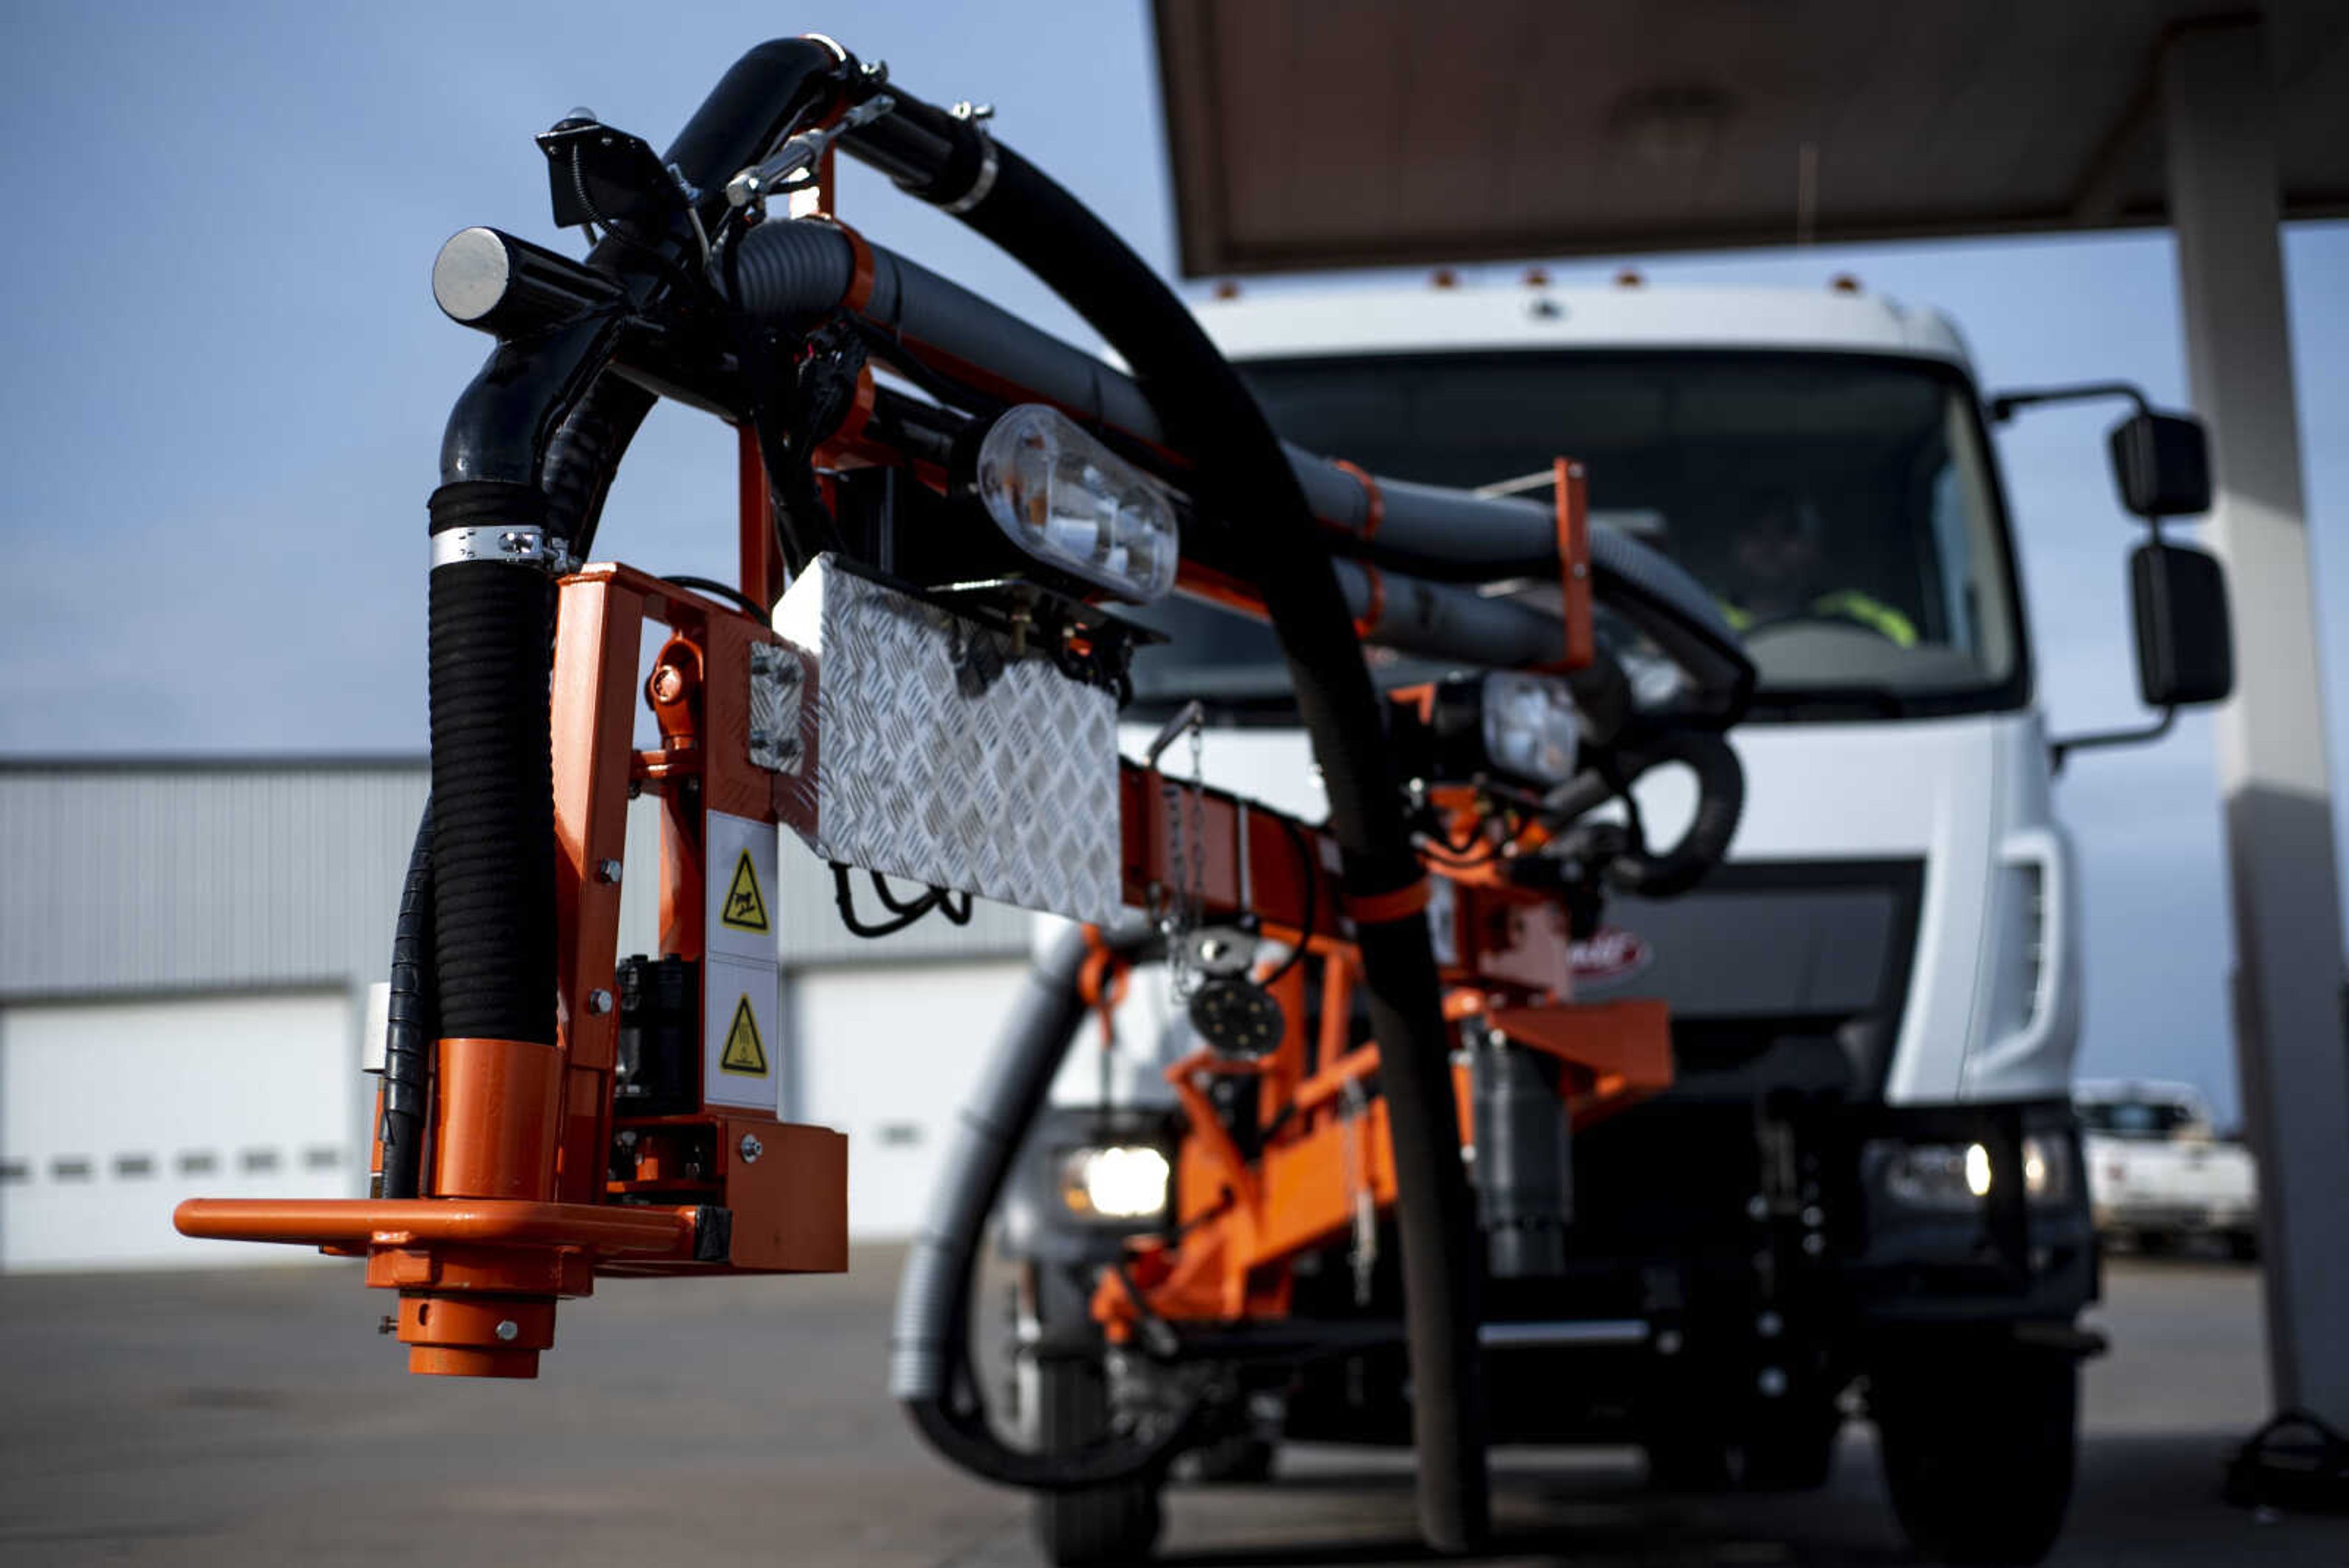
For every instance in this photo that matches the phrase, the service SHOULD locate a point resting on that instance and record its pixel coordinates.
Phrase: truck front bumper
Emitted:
(2004, 1232)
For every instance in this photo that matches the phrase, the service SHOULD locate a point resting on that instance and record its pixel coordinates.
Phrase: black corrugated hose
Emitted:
(929, 1354)
(1244, 472)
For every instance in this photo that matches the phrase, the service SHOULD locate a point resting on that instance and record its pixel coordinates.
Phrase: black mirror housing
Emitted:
(2162, 464)
(2185, 638)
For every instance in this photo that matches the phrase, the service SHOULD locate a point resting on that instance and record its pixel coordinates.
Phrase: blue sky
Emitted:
(223, 379)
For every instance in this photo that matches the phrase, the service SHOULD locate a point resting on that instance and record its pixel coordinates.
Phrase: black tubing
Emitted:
(1430, 538)
(1244, 472)
(763, 95)
(408, 1026)
(1721, 802)
(493, 778)
(584, 454)
(928, 1348)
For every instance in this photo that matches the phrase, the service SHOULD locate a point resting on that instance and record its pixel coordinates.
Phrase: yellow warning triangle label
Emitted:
(746, 907)
(743, 1052)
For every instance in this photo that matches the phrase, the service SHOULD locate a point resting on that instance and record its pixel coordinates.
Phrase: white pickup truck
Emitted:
(2156, 1173)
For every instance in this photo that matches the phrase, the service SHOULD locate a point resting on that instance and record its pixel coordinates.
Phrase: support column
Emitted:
(2291, 1051)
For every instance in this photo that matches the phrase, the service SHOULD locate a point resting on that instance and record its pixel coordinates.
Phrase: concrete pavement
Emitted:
(255, 1418)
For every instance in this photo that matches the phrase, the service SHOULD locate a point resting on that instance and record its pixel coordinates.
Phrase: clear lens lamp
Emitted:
(1121, 1182)
(1530, 730)
(1066, 500)
(1957, 1178)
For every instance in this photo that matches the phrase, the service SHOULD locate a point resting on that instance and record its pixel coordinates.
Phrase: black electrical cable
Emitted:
(845, 898)
(1311, 872)
(718, 590)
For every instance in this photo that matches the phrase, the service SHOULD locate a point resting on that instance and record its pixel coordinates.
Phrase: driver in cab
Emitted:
(1779, 574)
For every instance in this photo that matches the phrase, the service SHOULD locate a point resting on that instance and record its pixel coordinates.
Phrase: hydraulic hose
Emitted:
(1704, 845)
(1246, 477)
(929, 1336)
(585, 454)
(1427, 539)
(408, 1028)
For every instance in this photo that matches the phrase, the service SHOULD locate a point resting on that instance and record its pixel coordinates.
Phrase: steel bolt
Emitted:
(607, 870)
(752, 1148)
(1815, 1243)
(1667, 1342)
(508, 1330)
(1769, 1325)
(1814, 1216)
(599, 1002)
(387, 1324)
(1772, 1383)
(1757, 1208)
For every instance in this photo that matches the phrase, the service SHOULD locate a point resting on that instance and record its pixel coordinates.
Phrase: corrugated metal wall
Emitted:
(184, 876)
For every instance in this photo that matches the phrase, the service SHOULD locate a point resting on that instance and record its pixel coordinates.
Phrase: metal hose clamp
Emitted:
(519, 544)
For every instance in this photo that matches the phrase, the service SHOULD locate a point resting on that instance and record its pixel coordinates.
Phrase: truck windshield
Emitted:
(1840, 508)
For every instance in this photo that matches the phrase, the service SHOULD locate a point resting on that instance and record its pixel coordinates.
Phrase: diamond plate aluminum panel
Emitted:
(934, 754)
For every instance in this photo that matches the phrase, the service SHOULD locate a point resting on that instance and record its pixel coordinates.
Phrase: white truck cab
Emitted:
(1901, 779)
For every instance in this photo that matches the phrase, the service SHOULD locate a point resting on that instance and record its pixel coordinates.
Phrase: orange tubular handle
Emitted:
(402, 1223)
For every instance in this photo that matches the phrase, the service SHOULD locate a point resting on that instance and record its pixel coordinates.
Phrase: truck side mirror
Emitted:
(2185, 640)
(2162, 464)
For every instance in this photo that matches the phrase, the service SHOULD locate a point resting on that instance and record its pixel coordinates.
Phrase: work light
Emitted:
(1506, 722)
(1123, 1181)
(1066, 500)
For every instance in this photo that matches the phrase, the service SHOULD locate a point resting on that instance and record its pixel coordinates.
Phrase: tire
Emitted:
(1978, 1440)
(2243, 1246)
(1693, 1465)
(1098, 1524)
(1231, 1461)
(1794, 1452)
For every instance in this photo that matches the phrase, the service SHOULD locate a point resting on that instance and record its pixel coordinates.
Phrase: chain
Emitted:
(1354, 1112)
(1187, 856)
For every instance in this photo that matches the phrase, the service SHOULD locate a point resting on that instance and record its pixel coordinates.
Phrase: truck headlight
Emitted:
(2047, 1168)
(1066, 500)
(1124, 1181)
(1951, 1177)
(1955, 1178)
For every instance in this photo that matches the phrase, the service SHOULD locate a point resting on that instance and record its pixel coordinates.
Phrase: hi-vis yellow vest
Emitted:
(1849, 605)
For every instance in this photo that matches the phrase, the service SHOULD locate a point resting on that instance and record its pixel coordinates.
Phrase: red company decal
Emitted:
(1611, 954)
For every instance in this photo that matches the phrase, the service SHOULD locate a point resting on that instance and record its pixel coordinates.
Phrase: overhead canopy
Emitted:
(1305, 134)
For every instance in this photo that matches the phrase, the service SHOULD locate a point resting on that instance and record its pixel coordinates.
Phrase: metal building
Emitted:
(185, 949)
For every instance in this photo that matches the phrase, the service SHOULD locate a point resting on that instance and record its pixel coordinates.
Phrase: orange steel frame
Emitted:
(525, 1205)
(1505, 956)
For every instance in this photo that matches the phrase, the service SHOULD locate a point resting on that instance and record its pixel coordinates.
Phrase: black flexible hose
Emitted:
(493, 778)
(1720, 803)
(1246, 472)
(929, 1370)
(585, 454)
(409, 1027)
(1704, 845)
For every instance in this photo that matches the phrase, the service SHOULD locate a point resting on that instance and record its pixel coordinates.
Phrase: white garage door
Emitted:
(110, 1112)
(886, 1053)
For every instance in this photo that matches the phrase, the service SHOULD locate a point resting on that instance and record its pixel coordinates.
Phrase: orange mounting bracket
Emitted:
(536, 1183)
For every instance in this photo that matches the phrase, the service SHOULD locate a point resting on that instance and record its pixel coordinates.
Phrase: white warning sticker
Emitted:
(739, 874)
(739, 1046)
